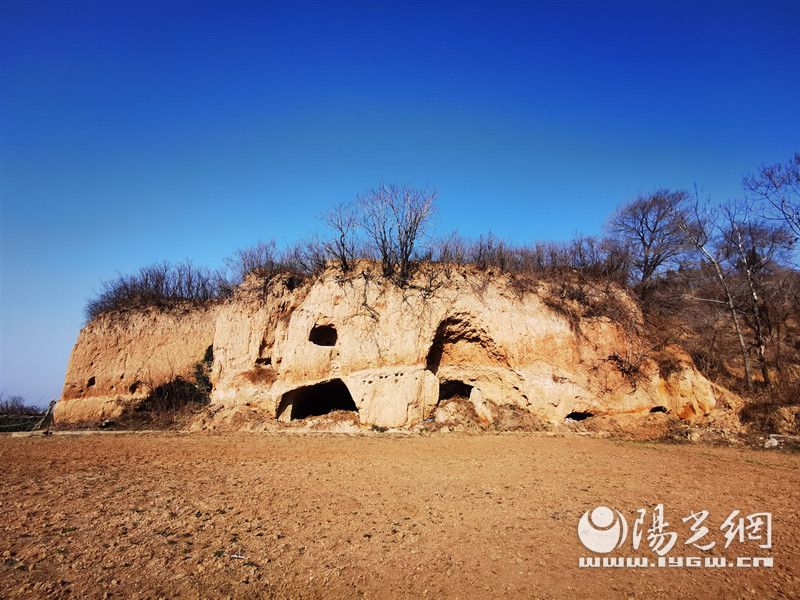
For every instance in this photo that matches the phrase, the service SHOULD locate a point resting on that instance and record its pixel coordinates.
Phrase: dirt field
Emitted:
(250, 515)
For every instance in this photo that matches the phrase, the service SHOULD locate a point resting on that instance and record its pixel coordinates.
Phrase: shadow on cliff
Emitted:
(169, 406)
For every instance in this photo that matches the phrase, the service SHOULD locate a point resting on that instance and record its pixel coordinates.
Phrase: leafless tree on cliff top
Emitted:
(306, 257)
(779, 186)
(342, 220)
(261, 259)
(701, 226)
(753, 246)
(649, 225)
(394, 219)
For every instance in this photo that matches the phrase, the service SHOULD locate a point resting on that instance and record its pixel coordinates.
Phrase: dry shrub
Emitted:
(514, 418)
(159, 285)
(171, 405)
(668, 365)
(569, 312)
(575, 295)
(261, 375)
(606, 301)
(760, 411)
(630, 366)
(168, 406)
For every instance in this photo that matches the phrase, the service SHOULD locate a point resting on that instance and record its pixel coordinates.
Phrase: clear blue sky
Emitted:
(137, 131)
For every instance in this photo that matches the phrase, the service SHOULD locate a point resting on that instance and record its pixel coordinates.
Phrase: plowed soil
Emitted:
(323, 515)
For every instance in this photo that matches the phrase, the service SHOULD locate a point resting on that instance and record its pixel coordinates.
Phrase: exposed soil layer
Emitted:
(313, 515)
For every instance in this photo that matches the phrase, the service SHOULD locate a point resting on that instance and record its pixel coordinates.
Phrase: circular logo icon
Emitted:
(602, 529)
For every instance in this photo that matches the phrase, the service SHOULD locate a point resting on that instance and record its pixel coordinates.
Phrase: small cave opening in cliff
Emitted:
(578, 416)
(323, 335)
(454, 389)
(91, 381)
(316, 400)
(659, 409)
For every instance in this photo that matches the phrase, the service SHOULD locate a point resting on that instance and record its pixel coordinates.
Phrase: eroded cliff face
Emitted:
(120, 358)
(394, 355)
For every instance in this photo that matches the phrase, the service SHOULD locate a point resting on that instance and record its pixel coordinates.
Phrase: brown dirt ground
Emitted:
(169, 515)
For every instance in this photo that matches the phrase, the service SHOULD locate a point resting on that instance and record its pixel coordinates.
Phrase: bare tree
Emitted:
(306, 257)
(261, 259)
(342, 220)
(699, 228)
(649, 225)
(376, 220)
(783, 299)
(412, 212)
(395, 218)
(779, 186)
(452, 249)
(16, 405)
(605, 258)
(489, 251)
(752, 246)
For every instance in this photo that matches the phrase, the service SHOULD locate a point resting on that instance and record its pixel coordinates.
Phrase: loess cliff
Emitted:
(394, 356)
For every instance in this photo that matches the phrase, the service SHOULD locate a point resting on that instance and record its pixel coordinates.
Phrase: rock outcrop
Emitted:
(121, 358)
(393, 355)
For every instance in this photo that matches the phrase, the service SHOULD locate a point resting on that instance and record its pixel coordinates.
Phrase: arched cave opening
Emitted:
(659, 409)
(316, 400)
(579, 416)
(323, 335)
(458, 340)
(445, 334)
(434, 358)
(454, 389)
